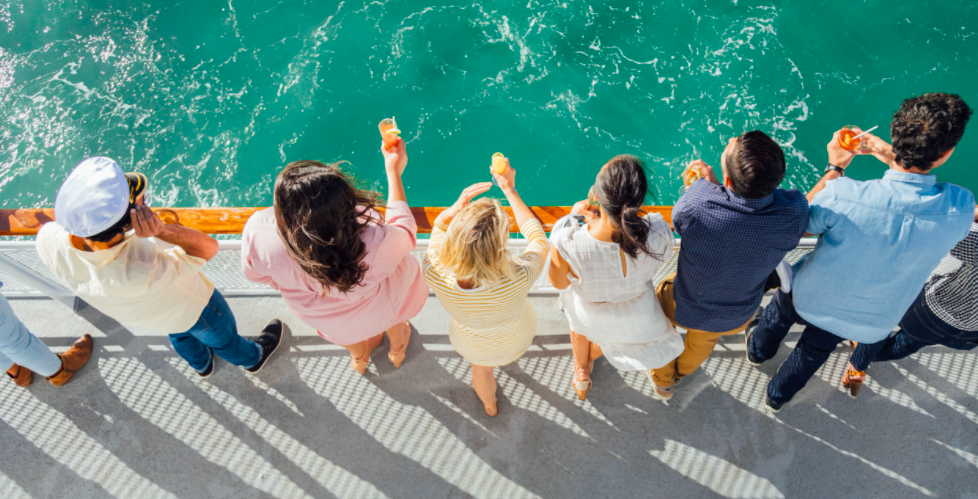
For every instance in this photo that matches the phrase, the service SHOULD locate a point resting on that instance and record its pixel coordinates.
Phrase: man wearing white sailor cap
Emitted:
(104, 245)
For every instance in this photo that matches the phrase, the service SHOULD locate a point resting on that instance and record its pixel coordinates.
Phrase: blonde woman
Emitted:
(605, 267)
(484, 286)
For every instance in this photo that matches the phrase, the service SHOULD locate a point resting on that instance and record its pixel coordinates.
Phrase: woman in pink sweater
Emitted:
(341, 267)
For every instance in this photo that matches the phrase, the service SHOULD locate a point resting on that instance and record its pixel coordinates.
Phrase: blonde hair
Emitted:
(475, 244)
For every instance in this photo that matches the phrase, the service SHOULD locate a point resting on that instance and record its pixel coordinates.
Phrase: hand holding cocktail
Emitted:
(503, 173)
(389, 133)
(395, 157)
(696, 170)
(500, 164)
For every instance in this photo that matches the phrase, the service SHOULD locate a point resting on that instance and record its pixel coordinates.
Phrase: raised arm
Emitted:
(194, 242)
(395, 162)
(837, 157)
(507, 182)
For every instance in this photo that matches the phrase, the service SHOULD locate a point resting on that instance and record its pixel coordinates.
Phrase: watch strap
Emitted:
(832, 168)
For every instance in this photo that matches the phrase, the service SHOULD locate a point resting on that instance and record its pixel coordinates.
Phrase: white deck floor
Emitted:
(136, 422)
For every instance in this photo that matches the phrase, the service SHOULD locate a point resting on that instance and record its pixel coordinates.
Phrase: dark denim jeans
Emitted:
(215, 330)
(813, 349)
(920, 327)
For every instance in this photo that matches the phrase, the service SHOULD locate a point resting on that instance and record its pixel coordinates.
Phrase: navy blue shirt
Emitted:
(730, 245)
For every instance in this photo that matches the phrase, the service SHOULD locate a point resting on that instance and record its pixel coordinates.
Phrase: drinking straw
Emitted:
(864, 133)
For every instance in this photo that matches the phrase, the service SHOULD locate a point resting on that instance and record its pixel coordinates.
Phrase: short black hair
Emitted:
(926, 127)
(120, 227)
(756, 165)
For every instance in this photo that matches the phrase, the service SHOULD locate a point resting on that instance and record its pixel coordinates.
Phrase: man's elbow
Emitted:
(210, 249)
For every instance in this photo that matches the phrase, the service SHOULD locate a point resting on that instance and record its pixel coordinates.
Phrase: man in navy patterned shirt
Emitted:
(733, 234)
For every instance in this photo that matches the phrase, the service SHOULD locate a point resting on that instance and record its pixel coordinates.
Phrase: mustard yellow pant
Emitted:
(699, 343)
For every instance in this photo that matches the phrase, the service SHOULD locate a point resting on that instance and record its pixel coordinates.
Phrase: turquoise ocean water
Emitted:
(211, 98)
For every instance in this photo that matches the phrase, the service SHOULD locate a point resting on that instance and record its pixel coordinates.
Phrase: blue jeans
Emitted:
(19, 346)
(920, 327)
(813, 349)
(216, 331)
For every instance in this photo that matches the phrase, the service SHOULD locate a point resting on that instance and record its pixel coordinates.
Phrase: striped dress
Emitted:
(491, 326)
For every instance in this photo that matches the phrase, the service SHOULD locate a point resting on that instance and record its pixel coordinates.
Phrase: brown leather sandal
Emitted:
(72, 360)
(21, 375)
(360, 363)
(396, 357)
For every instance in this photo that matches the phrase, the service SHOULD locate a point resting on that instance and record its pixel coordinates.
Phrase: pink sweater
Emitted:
(392, 291)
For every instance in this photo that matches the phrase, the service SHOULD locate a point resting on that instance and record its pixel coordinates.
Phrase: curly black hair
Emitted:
(320, 215)
(926, 127)
(755, 165)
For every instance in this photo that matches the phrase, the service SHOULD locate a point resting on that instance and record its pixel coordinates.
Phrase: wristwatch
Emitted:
(832, 168)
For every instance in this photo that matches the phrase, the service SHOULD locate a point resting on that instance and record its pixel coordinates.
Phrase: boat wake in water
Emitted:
(212, 100)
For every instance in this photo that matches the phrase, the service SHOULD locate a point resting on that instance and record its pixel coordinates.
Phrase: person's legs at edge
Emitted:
(581, 348)
(813, 349)
(217, 330)
(921, 327)
(399, 336)
(19, 346)
(360, 352)
(864, 354)
(664, 377)
(859, 360)
(594, 355)
(485, 387)
(900, 346)
(776, 319)
(698, 347)
(21, 349)
(191, 349)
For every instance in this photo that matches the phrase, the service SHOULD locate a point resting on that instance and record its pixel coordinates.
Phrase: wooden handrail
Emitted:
(26, 222)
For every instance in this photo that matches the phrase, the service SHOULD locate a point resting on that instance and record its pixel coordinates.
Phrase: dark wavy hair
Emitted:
(756, 165)
(926, 127)
(121, 227)
(622, 186)
(320, 215)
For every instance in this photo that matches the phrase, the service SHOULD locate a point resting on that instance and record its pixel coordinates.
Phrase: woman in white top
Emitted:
(605, 267)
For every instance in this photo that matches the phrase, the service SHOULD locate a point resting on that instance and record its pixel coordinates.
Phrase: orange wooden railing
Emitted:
(26, 222)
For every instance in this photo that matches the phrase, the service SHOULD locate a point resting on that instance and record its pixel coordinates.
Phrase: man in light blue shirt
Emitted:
(878, 243)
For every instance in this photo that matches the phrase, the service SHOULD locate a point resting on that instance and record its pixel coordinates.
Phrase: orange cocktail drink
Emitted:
(690, 176)
(389, 132)
(499, 163)
(848, 140)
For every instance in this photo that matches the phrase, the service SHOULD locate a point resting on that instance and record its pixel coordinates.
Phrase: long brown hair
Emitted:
(320, 215)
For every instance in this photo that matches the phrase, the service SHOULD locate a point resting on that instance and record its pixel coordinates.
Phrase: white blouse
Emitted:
(618, 310)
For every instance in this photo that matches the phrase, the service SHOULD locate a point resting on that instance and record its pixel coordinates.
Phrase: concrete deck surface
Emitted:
(137, 422)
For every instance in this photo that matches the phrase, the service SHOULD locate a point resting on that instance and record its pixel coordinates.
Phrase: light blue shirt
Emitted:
(879, 241)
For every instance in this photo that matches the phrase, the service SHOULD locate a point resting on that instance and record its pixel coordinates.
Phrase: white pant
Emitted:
(19, 346)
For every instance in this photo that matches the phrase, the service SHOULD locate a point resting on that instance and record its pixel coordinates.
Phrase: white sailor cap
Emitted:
(93, 198)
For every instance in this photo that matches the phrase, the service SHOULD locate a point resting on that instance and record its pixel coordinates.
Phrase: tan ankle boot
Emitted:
(21, 375)
(72, 360)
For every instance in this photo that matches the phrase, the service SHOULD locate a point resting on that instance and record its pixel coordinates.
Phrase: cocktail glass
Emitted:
(848, 140)
(389, 133)
(499, 165)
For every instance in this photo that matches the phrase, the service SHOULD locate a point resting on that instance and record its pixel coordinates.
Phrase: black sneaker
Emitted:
(772, 406)
(749, 333)
(206, 373)
(268, 340)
